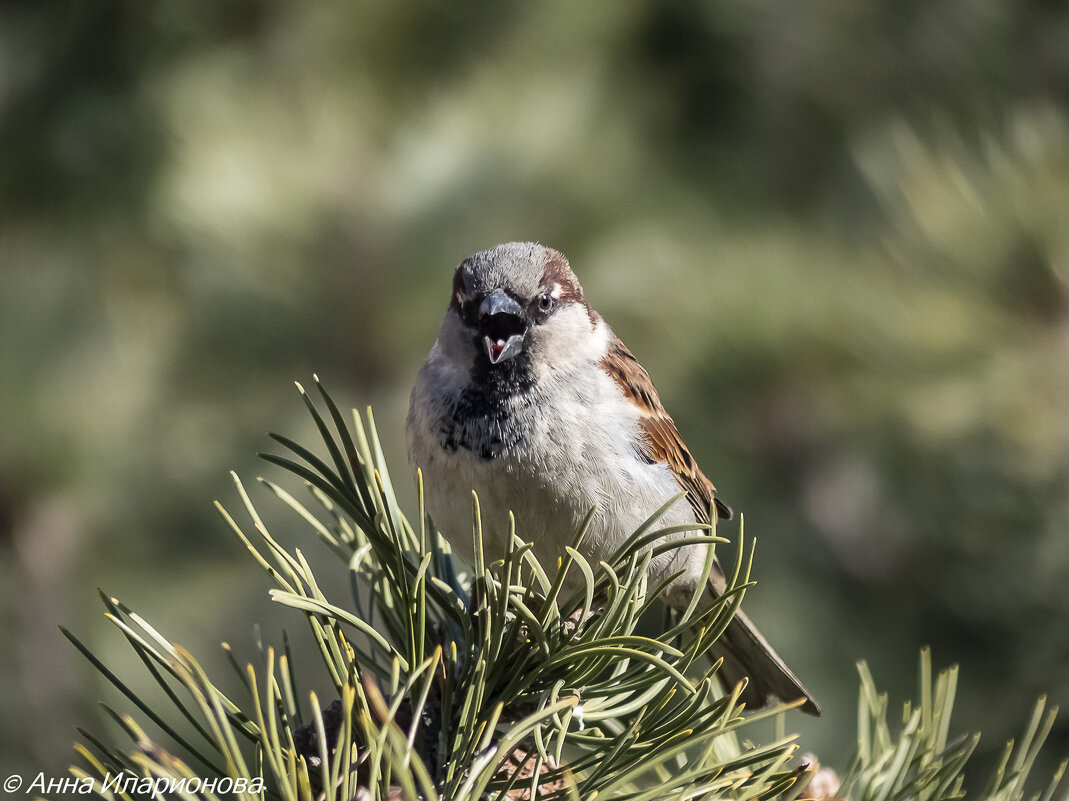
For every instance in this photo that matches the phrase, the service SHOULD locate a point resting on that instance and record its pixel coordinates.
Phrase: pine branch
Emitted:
(503, 686)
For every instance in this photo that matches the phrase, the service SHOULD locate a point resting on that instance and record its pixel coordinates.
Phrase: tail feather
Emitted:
(747, 655)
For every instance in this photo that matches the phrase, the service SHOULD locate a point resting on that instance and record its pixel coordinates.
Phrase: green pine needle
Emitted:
(445, 689)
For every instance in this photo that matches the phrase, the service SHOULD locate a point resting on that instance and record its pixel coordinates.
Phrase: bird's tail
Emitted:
(747, 655)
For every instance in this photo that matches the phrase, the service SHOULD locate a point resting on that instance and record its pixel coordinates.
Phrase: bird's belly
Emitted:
(502, 486)
(549, 497)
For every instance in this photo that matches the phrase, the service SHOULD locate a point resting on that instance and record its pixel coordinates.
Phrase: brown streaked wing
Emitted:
(662, 441)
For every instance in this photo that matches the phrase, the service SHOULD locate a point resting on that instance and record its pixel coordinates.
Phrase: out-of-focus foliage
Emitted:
(834, 233)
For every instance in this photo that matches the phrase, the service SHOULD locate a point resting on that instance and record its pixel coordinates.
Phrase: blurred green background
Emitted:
(837, 235)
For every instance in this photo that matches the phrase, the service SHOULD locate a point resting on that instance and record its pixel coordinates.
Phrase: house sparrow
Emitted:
(529, 398)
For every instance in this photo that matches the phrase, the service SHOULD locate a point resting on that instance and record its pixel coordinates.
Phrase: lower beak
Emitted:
(502, 326)
(500, 350)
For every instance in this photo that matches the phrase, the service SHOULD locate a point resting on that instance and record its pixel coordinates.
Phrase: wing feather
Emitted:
(746, 653)
(661, 440)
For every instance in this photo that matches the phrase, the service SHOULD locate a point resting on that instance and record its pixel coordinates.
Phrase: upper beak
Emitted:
(502, 325)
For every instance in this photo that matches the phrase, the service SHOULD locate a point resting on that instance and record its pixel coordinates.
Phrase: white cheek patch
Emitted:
(571, 340)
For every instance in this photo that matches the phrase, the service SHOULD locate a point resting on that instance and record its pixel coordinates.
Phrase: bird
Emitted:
(529, 399)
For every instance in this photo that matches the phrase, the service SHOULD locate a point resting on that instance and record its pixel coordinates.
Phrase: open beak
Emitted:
(500, 350)
(502, 325)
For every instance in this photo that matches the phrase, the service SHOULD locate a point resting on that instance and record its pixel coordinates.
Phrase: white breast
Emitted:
(580, 448)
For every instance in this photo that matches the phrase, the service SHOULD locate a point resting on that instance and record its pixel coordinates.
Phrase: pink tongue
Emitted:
(497, 347)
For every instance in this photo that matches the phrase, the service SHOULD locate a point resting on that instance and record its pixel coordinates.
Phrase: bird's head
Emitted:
(518, 300)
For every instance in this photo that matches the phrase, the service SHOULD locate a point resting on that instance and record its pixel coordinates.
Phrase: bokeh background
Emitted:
(837, 234)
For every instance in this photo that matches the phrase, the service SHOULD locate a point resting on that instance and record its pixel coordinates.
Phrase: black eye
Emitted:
(545, 302)
(466, 308)
(470, 312)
